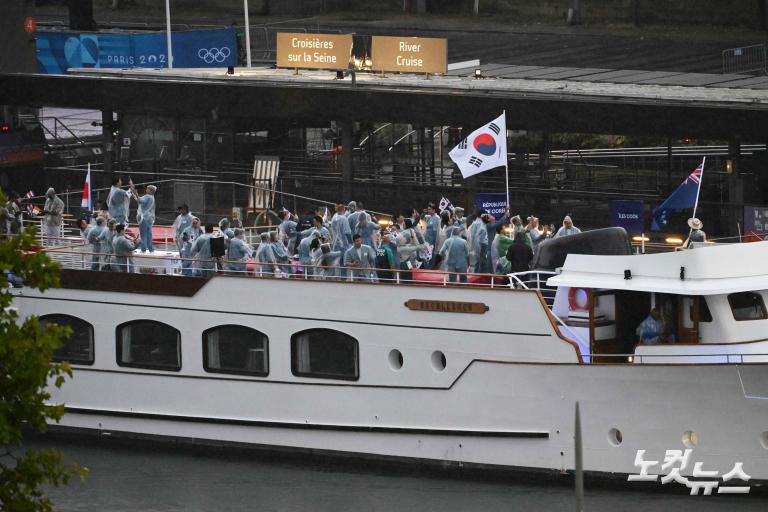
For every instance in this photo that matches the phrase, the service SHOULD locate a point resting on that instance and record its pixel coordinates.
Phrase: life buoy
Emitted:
(578, 299)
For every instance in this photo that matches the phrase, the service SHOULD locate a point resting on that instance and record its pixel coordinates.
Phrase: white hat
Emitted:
(695, 223)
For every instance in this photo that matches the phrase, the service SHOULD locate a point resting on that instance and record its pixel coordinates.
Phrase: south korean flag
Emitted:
(483, 150)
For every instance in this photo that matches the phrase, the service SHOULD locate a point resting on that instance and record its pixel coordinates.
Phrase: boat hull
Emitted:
(505, 396)
(496, 414)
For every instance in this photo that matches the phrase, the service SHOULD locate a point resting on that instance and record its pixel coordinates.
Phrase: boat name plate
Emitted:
(446, 306)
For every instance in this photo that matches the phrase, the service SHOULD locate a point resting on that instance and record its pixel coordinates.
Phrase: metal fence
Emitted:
(745, 59)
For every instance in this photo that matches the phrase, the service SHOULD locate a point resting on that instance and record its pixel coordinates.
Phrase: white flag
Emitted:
(484, 149)
(445, 204)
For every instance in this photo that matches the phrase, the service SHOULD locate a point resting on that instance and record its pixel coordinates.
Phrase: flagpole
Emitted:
(696, 204)
(168, 33)
(90, 189)
(506, 163)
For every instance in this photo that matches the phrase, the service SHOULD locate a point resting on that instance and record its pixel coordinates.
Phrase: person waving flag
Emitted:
(685, 196)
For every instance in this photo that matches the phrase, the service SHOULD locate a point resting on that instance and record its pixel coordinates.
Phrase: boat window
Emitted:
(747, 306)
(78, 347)
(149, 344)
(235, 349)
(324, 353)
(705, 315)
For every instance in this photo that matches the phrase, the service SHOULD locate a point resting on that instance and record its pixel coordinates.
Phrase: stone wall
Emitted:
(715, 12)
(17, 53)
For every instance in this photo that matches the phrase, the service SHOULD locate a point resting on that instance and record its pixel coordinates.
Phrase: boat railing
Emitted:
(74, 254)
(679, 358)
(536, 280)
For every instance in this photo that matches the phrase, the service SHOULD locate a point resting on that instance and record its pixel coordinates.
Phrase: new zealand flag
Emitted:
(685, 196)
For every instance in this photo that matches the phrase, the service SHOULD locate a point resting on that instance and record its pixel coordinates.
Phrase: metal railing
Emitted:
(533, 280)
(718, 358)
(525, 279)
(75, 255)
(745, 59)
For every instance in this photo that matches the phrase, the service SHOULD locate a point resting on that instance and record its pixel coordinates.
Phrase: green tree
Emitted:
(26, 351)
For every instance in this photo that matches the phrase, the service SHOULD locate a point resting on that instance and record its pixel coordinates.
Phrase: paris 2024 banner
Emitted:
(59, 51)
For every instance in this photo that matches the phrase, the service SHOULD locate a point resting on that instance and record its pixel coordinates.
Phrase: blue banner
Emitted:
(58, 51)
(755, 220)
(492, 202)
(629, 215)
(149, 51)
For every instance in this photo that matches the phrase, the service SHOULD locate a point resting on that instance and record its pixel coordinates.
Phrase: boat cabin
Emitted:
(698, 302)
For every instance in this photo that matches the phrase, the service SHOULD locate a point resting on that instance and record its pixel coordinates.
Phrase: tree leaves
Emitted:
(26, 367)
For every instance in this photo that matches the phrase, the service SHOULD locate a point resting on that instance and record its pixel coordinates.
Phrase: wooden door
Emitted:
(688, 319)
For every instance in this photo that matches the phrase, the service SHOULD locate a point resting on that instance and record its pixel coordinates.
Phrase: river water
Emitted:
(139, 477)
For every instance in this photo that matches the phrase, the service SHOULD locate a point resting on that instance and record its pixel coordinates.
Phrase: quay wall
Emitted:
(750, 13)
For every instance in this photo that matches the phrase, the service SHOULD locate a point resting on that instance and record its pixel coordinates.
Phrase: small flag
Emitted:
(445, 204)
(30, 209)
(483, 150)
(86, 202)
(684, 196)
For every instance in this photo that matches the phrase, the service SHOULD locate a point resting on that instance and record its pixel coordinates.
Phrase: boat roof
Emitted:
(709, 270)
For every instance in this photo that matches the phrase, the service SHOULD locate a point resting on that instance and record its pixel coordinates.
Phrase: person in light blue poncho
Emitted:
(224, 227)
(455, 253)
(478, 237)
(146, 216)
(365, 228)
(341, 233)
(188, 238)
(238, 252)
(118, 201)
(123, 250)
(180, 225)
(201, 251)
(95, 237)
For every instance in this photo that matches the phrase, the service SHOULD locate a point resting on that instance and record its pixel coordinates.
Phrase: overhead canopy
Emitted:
(316, 97)
(709, 270)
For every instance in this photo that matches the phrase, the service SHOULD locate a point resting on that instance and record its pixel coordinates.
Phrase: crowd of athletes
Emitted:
(350, 243)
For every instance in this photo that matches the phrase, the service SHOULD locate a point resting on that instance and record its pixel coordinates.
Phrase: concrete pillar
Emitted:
(81, 15)
(669, 164)
(574, 13)
(734, 150)
(735, 189)
(347, 172)
(762, 7)
(636, 12)
(108, 147)
(546, 148)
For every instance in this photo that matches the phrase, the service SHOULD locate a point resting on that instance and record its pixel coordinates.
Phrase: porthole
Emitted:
(438, 361)
(615, 437)
(764, 439)
(395, 359)
(690, 439)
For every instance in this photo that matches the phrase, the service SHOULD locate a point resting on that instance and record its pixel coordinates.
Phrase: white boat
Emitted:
(451, 375)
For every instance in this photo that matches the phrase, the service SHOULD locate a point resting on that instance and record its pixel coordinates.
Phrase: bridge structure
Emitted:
(549, 100)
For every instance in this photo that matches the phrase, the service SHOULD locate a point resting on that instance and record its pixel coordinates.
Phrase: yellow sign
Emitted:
(409, 54)
(446, 306)
(317, 51)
